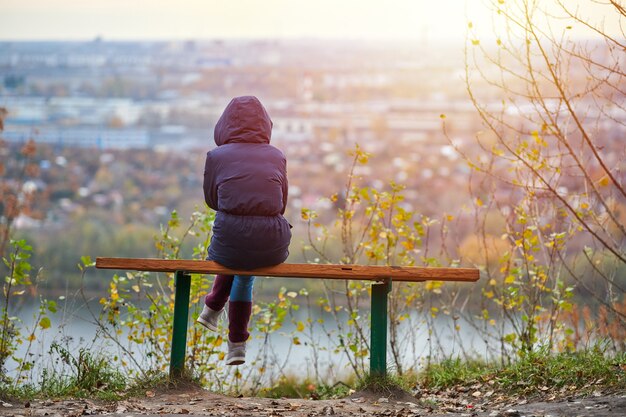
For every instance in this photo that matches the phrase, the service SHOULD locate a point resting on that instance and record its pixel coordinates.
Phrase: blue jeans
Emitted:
(237, 288)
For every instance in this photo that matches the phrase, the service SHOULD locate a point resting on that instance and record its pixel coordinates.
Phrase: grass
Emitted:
(89, 375)
(538, 371)
(291, 386)
(155, 381)
(103, 384)
(385, 385)
(81, 375)
(584, 370)
(454, 371)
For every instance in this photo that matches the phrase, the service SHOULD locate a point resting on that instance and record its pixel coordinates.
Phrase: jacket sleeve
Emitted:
(210, 185)
(285, 187)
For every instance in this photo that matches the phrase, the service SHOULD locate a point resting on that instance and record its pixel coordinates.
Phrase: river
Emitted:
(73, 327)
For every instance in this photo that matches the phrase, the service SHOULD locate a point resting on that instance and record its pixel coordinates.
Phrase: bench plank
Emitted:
(320, 271)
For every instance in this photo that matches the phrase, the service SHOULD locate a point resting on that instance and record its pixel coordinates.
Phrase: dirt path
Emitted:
(198, 402)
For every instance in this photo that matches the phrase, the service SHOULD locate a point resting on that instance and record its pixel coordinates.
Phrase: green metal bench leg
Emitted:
(378, 337)
(182, 283)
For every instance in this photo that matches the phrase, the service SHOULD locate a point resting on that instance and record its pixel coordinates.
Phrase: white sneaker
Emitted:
(209, 318)
(236, 353)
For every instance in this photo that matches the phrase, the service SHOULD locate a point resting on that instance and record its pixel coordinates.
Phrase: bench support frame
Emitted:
(182, 284)
(378, 328)
(378, 325)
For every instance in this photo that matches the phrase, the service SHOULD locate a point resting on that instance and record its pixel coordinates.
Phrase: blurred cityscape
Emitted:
(122, 127)
(166, 97)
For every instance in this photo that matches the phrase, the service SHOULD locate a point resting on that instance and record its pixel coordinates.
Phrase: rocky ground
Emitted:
(195, 401)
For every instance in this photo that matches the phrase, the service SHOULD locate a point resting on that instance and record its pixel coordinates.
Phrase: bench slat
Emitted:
(320, 271)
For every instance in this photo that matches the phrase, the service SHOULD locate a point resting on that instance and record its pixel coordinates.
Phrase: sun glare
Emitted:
(193, 19)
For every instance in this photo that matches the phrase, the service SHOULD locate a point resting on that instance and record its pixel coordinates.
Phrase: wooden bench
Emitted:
(381, 275)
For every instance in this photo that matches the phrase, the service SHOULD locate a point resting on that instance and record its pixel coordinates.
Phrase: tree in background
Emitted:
(551, 158)
(16, 195)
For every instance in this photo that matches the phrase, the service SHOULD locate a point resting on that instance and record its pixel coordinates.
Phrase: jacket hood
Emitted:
(244, 120)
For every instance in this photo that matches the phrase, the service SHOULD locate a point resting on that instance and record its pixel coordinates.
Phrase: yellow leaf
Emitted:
(475, 42)
(489, 294)
(300, 326)
(135, 288)
(408, 245)
(479, 202)
(509, 279)
(604, 181)
(44, 323)
(433, 285)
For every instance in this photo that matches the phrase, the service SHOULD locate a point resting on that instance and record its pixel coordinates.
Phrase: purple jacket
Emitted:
(245, 182)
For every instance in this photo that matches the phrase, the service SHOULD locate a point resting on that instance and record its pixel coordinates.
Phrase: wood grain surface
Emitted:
(287, 270)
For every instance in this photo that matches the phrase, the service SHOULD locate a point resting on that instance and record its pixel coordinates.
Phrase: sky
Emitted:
(212, 19)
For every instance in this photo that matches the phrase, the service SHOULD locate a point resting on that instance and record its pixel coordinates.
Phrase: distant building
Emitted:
(82, 137)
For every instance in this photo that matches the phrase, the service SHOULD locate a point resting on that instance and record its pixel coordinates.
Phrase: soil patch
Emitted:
(194, 401)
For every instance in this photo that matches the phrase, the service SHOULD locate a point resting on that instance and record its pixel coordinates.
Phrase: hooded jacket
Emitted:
(245, 182)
